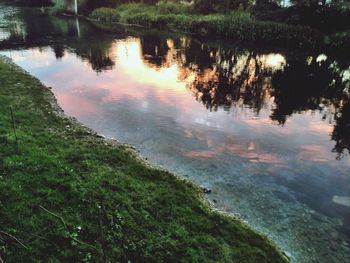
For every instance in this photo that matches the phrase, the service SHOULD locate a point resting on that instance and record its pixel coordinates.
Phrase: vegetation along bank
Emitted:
(305, 24)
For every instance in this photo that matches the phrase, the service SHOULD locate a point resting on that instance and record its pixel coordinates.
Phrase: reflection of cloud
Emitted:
(266, 158)
(72, 103)
(41, 57)
(314, 153)
(321, 127)
(251, 146)
(258, 121)
(82, 101)
(130, 60)
(202, 154)
(241, 151)
(321, 57)
(274, 61)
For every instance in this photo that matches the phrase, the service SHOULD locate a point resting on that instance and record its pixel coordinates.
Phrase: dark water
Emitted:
(267, 129)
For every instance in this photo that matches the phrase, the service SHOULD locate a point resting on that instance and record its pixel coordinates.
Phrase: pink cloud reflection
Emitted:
(246, 152)
(314, 153)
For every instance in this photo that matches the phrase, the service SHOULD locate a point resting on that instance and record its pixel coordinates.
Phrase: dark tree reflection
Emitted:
(59, 51)
(226, 78)
(154, 49)
(306, 86)
(97, 53)
(63, 35)
(234, 80)
(341, 132)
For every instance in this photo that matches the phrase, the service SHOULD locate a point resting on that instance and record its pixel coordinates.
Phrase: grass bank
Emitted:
(67, 195)
(236, 25)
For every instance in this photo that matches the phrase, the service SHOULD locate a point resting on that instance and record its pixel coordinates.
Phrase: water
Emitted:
(266, 129)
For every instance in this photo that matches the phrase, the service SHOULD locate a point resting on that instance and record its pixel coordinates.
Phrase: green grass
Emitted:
(67, 195)
(236, 25)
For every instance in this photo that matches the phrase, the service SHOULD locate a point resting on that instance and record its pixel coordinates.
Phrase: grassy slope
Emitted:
(70, 196)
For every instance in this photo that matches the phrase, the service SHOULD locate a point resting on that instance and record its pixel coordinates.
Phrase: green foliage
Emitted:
(70, 196)
(171, 7)
(236, 25)
(58, 6)
(324, 18)
(211, 6)
(105, 14)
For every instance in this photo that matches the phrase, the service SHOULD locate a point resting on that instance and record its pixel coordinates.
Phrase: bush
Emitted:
(322, 17)
(210, 25)
(105, 14)
(58, 6)
(211, 6)
(183, 22)
(170, 7)
(284, 34)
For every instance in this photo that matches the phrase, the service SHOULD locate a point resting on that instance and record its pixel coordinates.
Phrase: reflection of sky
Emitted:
(151, 107)
(158, 92)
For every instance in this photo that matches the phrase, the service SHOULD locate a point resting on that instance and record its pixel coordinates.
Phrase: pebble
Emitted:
(206, 190)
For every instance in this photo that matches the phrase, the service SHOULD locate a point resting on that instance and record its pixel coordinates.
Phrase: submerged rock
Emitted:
(341, 200)
(206, 190)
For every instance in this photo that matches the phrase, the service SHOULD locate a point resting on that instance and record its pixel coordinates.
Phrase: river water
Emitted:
(266, 129)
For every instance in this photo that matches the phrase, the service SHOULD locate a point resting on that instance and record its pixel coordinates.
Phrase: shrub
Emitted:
(321, 17)
(58, 5)
(105, 14)
(169, 7)
(211, 6)
(210, 25)
(284, 34)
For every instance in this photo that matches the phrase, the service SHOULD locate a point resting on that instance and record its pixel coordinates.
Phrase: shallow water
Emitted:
(266, 129)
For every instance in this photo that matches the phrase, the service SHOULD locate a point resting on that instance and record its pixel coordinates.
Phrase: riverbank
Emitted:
(69, 195)
(237, 25)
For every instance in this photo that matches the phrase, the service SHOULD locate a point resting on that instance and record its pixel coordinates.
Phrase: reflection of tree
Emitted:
(62, 35)
(226, 78)
(59, 51)
(306, 86)
(154, 49)
(97, 53)
(341, 132)
(233, 80)
(230, 77)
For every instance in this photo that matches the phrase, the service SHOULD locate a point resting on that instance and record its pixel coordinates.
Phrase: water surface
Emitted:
(266, 129)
